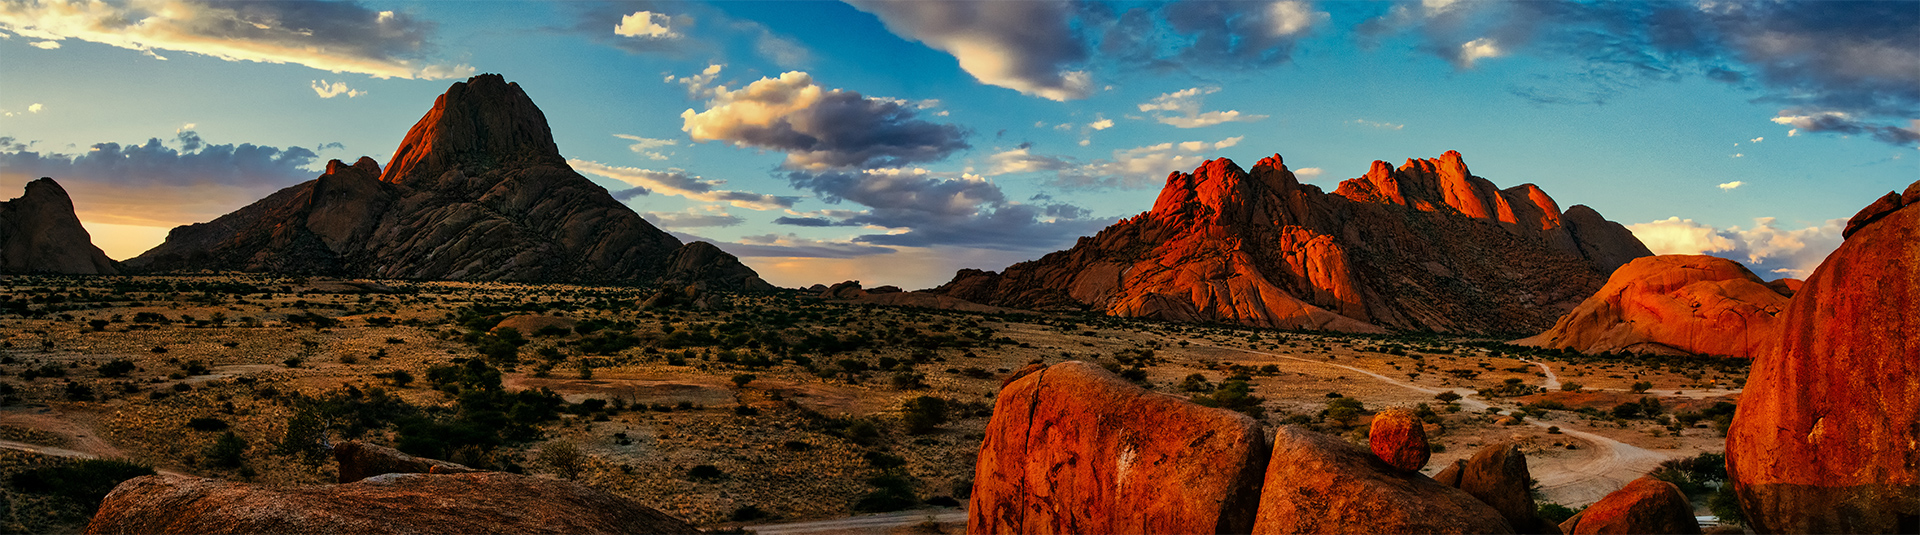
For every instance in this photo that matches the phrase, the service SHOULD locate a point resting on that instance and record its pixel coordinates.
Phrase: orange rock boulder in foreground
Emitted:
(1320, 484)
(1400, 439)
(1645, 505)
(1074, 449)
(1827, 437)
(1673, 304)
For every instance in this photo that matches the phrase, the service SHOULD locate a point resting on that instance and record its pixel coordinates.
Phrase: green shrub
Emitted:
(85, 482)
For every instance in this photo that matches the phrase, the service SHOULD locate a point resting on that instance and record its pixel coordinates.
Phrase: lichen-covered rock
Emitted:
(476, 191)
(1646, 506)
(360, 460)
(1827, 436)
(478, 503)
(1399, 439)
(39, 233)
(1674, 304)
(1073, 449)
(1427, 246)
(1320, 484)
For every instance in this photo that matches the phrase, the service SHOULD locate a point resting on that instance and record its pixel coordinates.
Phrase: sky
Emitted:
(894, 142)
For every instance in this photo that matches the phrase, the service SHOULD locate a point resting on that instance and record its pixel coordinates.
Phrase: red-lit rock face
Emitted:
(1074, 449)
(1320, 484)
(1399, 439)
(1674, 304)
(1827, 437)
(1426, 246)
(1644, 506)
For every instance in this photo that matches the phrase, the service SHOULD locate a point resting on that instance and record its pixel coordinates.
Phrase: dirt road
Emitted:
(878, 523)
(1612, 463)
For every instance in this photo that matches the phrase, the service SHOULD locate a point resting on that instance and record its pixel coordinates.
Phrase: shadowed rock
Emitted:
(1320, 484)
(1674, 304)
(39, 233)
(1427, 246)
(360, 460)
(1497, 475)
(1073, 449)
(476, 191)
(486, 502)
(1644, 506)
(1825, 440)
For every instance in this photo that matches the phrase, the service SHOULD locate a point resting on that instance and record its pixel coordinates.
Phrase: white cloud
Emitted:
(1766, 249)
(326, 90)
(45, 45)
(1023, 45)
(646, 25)
(1477, 49)
(1184, 106)
(1133, 168)
(1739, 155)
(679, 183)
(35, 108)
(1380, 125)
(1308, 172)
(820, 128)
(645, 145)
(1729, 186)
(341, 37)
(1102, 124)
(696, 217)
(1757, 140)
(1292, 17)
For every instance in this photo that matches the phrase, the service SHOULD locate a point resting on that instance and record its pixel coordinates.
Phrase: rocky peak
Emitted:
(483, 123)
(1210, 186)
(39, 233)
(365, 166)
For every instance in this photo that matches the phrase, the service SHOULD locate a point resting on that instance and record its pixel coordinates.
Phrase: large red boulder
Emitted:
(1827, 436)
(1073, 449)
(1644, 506)
(1320, 484)
(1673, 304)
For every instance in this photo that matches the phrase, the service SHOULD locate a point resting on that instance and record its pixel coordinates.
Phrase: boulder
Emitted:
(528, 323)
(360, 460)
(1450, 476)
(40, 233)
(1497, 475)
(479, 503)
(1400, 439)
(1644, 506)
(1674, 304)
(1824, 440)
(1426, 246)
(1074, 449)
(1320, 484)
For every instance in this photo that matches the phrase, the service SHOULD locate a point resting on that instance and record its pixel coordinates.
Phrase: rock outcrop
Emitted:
(476, 191)
(1320, 484)
(1073, 449)
(1399, 438)
(484, 502)
(1427, 246)
(1825, 440)
(1646, 506)
(1674, 304)
(39, 233)
(850, 291)
(1497, 476)
(360, 460)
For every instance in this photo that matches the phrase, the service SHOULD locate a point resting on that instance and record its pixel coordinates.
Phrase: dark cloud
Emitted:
(1030, 46)
(158, 184)
(934, 211)
(820, 128)
(789, 246)
(327, 35)
(811, 222)
(1841, 123)
(1860, 58)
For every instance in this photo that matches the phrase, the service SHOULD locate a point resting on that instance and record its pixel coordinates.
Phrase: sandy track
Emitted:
(879, 523)
(1611, 465)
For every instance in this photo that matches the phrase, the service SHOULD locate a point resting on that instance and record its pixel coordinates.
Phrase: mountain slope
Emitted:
(1427, 246)
(476, 191)
(39, 233)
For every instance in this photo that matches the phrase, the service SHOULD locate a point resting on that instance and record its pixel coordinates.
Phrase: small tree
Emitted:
(229, 451)
(741, 380)
(564, 458)
(925, 413)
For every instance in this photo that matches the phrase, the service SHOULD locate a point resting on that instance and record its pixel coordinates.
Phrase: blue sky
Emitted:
(894, 142)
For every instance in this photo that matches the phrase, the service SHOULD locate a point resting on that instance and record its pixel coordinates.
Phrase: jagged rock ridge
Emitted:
(476, 191)
(1427, 246)
(39, 233)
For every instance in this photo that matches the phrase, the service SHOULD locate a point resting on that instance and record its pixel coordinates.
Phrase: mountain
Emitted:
(1427, 246)
(476, 191)
(1674, 304)
(39, 233)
